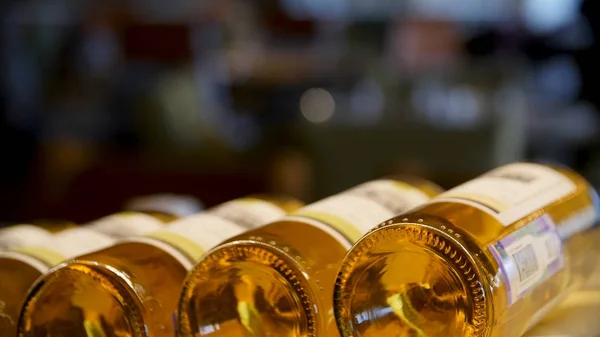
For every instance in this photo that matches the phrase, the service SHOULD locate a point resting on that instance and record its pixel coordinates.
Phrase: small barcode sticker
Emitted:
(529, 256)
(527, 262)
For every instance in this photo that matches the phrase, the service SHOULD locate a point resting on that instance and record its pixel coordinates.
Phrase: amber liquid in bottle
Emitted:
(20, 267)
(487, 258)
(132, 287)
(35, 250)
(278, 280)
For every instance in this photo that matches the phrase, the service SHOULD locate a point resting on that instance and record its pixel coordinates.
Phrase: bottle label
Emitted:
(65, 245)
(178, 205)
(196, 234)
(528, 256)
(511, 192)
(356, 211)
(125, 224)
(22, 235)
(248, 212)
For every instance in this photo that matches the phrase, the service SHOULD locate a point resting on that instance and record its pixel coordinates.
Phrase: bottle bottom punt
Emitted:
(409, 280)
(82, 299)
(246, 289)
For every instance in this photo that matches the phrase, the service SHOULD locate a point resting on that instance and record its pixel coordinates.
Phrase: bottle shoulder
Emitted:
(480, 225)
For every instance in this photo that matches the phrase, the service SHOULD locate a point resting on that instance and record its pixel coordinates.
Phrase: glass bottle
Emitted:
(132, 287)
(487, 258)
(20, 267)
(277, 280)
(34, 250)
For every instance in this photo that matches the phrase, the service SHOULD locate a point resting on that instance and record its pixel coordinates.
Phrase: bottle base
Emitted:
(410, 279)
(246, 287)
(82, 298)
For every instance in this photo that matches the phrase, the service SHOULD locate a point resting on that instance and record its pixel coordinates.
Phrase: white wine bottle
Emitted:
(35, 251)
(132, 288)
(278, 280)
(20, 267)
(488, 258)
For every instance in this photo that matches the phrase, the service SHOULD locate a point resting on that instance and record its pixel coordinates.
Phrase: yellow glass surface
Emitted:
(276, 280)
(129, 289)
(430, 272)
(15, 279)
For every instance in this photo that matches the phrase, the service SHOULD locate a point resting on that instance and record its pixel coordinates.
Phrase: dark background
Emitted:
(101, 101)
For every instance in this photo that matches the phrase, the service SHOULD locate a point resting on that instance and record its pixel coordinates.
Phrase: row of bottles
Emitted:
(28, 251)
(390, 257)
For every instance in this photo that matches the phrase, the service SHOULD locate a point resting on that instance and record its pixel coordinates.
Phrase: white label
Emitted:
(512, 192)
(77, 241)
(126, 224)
(196, 234)
(205, 230)
(395, 196)
(356, 211)
(22, 235)
(177, 254)
(337, 235)
(62, 246)
(529, 256)
(248, 213)
(359, 213)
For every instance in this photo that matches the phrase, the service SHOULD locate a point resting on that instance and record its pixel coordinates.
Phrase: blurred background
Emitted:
(104, 100)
